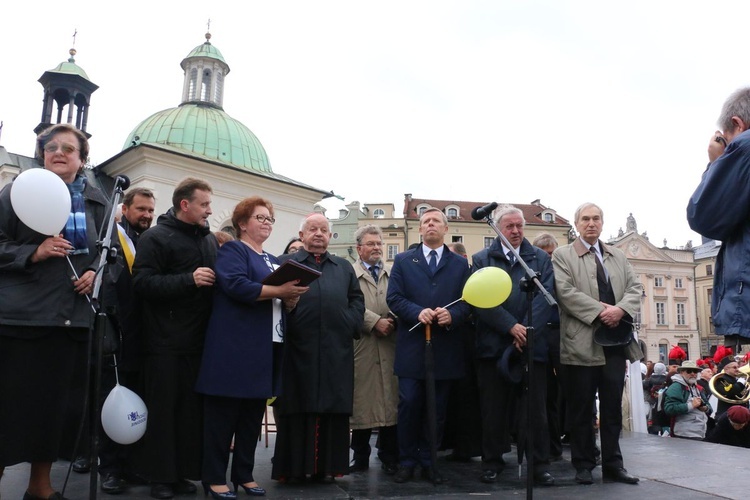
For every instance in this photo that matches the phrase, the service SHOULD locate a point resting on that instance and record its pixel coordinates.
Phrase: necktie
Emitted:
(511, 258)
(433, 261)
(601, 276)
(374, 272)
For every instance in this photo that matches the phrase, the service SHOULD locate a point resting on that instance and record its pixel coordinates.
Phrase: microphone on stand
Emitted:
(480, 213)
(123, 181)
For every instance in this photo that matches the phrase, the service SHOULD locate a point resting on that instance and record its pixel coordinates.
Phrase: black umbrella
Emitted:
(429, 380)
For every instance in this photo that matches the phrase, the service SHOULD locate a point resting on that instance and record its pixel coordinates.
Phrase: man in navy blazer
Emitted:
(423, 281)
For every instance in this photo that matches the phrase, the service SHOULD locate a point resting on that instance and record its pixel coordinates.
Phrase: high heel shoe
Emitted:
(226, 495)
(255, 491)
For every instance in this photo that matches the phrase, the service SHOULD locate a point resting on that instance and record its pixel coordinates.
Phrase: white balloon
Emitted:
(124, 416)
(41, 200)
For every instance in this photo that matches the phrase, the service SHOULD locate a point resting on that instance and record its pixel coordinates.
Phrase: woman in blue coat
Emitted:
(242, 354)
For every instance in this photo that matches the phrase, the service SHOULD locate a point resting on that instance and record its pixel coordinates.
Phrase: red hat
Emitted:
(701, 363)
(721, 353)
(738, 414)
(677, 353)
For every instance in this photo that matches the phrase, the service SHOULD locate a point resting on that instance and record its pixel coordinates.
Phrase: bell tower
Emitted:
(69, 87)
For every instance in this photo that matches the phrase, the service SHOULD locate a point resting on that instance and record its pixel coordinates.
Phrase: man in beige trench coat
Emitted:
(375, 385)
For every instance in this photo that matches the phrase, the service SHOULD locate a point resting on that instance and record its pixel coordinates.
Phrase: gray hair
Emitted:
(506, 209)
(737, 104)
(545, 240)
(583, 207)
(360, 233)
(307, 217)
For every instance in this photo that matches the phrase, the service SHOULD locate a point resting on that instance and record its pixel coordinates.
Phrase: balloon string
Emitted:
(75, 275)
(117, 373)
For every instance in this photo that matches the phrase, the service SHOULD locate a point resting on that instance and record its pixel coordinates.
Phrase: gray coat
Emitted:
(375, 385)
(578, 298)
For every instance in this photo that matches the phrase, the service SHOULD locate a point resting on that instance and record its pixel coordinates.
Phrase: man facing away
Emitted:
(423, 281)
(375, 385)
(173, 275)
(720, 209)
(596, 286)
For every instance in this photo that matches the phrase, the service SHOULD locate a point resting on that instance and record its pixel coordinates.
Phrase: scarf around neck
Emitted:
(75, 229)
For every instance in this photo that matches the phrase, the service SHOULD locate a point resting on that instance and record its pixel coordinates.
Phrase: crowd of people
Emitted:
(207, 342)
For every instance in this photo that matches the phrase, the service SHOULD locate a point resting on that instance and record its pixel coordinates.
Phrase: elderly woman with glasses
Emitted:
(242, 355)
(44, 312)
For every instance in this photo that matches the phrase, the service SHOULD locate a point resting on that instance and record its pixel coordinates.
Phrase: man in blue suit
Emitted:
(423, 280)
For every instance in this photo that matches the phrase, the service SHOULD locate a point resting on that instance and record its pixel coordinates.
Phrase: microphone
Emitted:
(480, 213)
(123, 181)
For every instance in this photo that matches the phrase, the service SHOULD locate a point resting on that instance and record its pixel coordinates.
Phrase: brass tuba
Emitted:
(742, 398)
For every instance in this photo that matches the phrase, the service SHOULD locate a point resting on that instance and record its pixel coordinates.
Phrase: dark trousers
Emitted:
(413, 434)
(581, 385)
(222, 419)
(495, 396)
(537, 423)
(387, 444)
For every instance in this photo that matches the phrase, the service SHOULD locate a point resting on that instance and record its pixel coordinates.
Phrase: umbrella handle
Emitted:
(427, 333)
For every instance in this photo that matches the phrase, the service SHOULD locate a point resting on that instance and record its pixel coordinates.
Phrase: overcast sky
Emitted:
(508, 101)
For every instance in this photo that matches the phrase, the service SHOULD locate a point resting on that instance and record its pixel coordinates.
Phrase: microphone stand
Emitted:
(108, 255)
(527, 284)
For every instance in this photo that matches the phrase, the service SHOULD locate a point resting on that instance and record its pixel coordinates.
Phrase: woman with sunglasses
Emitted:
(242, 354)
(44, 312)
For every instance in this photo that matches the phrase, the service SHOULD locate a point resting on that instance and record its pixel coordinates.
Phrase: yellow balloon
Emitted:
(488, 287)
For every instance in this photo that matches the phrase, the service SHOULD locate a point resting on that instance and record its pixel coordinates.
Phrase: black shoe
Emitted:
(389, 469)
(358, 466)
(404, 473)
(618, 475)
(543, 478)
(583, 476)
(113, 484)
(81, 465)
(162, 491)
(488, 476)
(55, 496)
(323, 478)
(433, 475)
(184, 487)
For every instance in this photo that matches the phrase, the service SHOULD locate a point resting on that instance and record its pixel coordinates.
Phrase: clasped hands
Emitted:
(611, 315)
(439, 315)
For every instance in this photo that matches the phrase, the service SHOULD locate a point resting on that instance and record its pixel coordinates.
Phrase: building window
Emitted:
(548, 217)
(709, 293)
(378, 213)
(678, 282)
(680, 313)
(637, 319)
(658, 281)
(457, 239)
(711, 328)
(392, 251)
(488, 241)
(206, 86)
(452, 213)
(661, 317)
(421, 210)
(709, 270)
(685, 347)
(193, 83)
(663, 352)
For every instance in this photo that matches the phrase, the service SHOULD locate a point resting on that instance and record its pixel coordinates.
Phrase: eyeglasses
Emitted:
(52, 147)
(263, 219)
(692, 371)
(373, 244)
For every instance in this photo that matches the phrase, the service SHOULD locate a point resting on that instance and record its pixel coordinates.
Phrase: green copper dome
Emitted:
(205, 50)
(70, 67)
(205, 130)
